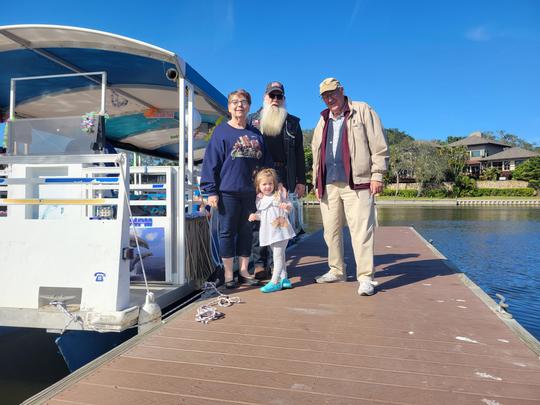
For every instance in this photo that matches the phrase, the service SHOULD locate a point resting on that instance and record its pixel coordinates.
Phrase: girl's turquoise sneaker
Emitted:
(286, 284)
(271, 287)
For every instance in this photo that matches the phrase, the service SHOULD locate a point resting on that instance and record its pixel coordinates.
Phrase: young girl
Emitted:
(275, 230)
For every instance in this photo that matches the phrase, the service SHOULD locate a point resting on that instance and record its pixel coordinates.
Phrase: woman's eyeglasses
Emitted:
(236, 102)
(276, 96)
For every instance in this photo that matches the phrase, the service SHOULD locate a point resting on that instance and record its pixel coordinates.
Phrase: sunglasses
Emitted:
(276, 96)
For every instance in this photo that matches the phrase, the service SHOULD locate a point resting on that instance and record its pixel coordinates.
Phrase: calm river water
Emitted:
(497, 247)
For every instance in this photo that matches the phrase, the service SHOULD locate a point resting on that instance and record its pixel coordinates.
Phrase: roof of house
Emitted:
(476, 138)
(511, 153)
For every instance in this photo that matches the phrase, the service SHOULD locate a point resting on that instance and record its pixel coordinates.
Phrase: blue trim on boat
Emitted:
(121, 68)
(194, 77)
(81, 347)
(82, 180)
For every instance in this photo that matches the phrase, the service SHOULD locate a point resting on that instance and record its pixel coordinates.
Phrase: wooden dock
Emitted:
(428, 336)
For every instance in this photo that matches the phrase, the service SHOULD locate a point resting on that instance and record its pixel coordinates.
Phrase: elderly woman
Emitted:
(234, 154)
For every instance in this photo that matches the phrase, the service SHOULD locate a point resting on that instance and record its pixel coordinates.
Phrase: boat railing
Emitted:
(3, 191)
(153, 218)
(66, 233)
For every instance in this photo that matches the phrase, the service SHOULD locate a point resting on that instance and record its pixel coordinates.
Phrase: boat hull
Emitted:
(81, 347)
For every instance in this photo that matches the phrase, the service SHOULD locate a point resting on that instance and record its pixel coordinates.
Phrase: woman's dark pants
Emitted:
(235, 231)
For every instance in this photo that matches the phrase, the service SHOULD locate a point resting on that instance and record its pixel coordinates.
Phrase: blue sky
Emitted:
(430, 68)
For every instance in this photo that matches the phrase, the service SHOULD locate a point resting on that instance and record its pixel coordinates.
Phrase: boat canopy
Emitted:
(141, 98)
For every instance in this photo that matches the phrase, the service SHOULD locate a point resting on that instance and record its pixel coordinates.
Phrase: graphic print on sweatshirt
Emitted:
(245, 147)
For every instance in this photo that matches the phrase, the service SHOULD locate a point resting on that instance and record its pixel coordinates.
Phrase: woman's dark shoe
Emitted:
(248, 280)
(260, 273)
(231, 285)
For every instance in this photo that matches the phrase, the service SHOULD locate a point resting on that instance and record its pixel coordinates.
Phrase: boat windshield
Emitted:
(54, 136)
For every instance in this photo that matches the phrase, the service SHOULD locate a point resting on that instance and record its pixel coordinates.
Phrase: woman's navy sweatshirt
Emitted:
(232, 158)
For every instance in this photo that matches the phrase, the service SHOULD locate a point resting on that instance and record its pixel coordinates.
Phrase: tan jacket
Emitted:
(367, 144)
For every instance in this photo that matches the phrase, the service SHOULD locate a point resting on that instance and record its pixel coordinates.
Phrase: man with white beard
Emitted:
(284, 139)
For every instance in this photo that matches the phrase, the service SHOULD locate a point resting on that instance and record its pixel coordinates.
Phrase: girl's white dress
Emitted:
(275, 225)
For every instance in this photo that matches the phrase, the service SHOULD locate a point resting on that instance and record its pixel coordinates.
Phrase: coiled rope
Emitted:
(208, 312)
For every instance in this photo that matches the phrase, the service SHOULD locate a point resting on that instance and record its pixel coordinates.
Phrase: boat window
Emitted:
(53, 136)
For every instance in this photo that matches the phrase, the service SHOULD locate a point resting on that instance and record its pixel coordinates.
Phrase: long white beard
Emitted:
(272, 119)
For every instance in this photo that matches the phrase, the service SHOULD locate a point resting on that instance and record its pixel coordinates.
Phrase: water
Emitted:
(29, 362)
(497, 247)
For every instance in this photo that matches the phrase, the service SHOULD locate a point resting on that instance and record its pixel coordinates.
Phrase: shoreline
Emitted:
(517, 202)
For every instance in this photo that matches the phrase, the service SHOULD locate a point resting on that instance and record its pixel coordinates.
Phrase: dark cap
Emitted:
(274, 86)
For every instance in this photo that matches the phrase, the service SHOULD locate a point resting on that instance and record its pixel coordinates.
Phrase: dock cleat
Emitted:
(271, 287)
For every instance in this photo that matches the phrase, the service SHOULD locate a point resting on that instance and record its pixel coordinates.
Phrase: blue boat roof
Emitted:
(136, 81)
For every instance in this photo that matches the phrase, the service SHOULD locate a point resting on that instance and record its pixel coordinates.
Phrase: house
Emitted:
(479, 148)
(508, 159)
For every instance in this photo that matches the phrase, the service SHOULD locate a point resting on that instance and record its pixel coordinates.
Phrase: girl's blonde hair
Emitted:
(266, 174)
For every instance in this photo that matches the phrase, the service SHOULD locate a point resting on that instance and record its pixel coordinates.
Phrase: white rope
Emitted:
(208, 312)
(61, 306)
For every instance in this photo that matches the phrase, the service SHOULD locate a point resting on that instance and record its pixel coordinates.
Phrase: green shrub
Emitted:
(528, 170)
(465, 192)
(401, 193)
(464, 187)
(435, 193)
(490, 174)
(504, 192)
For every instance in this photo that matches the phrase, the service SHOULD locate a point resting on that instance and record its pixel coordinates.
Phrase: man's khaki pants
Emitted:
(341, 204)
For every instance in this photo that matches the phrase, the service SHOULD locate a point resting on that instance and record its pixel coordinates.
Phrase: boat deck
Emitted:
(429, 336)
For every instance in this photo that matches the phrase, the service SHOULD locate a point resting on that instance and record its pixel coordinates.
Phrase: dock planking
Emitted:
(424, 338)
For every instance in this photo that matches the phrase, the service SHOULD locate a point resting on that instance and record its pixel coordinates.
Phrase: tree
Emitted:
(402, 156)
(395, 136)
(529, 171)
(510, 139)
(308, 136)
(451, 139)
(429, 165)
(456, 159)
(308, 162)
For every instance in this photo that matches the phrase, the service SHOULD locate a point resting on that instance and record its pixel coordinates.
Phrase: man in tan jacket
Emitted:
(350, 157)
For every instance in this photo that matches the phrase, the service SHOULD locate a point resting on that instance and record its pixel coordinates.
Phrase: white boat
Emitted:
(67, 260)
